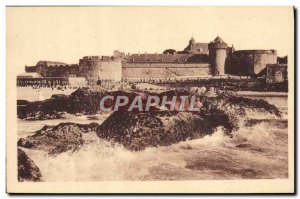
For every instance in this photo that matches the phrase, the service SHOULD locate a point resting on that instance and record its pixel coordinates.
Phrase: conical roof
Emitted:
(218, 40)
(217, 43)
(192, 40)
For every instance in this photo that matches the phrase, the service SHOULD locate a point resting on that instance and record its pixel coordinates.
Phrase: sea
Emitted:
(253, 152)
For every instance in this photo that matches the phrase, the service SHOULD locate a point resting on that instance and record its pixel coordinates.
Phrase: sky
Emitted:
(68, 33)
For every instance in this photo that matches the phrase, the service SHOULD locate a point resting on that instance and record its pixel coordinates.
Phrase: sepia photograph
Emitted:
(150, 99)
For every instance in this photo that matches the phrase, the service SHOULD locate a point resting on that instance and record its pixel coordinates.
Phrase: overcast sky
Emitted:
(67, 34)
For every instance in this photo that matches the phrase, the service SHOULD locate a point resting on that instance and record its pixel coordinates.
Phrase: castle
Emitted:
(196, 60)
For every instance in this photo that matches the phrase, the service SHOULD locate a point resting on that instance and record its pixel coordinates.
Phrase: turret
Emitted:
(217, 54)
(192, 41)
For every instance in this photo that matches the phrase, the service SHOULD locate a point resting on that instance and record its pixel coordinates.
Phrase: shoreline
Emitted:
(261, 94)
(30, 94)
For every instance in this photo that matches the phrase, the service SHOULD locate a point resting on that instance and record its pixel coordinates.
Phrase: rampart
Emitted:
(164, 70)
(250, 62)
(102, 70)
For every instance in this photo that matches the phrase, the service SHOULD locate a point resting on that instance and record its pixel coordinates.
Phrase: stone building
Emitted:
(54, 69)
(217, 54)
(95, 68)
(195, 48)
(196, 60)
(250, 62)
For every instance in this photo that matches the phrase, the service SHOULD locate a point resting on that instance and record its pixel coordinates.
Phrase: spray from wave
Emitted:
(256, 146)
(252, 152)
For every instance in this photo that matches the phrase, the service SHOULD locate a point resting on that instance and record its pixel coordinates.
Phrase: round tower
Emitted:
(217, 54)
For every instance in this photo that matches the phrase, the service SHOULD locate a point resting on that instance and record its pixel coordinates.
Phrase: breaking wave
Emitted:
(257, 149)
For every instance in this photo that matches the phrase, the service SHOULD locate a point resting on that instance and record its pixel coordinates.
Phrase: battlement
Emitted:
(259, 51)
(197, 59)
(91, 58)
(158, 58)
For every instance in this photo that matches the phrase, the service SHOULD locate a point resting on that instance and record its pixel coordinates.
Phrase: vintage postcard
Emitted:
(150, 99)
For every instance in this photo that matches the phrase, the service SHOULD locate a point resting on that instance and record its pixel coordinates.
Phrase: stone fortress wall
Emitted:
(164, 70)
(250, 62)
(100, 68)
(215, 58)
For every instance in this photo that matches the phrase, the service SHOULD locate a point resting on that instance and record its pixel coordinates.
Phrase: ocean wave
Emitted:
(251, 152)
(232, 139)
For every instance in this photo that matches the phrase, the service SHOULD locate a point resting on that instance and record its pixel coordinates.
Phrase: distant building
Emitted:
(215, 58)
(196, 48)
(217, 53)
(54, 69)
(95, 68)
(250, 62)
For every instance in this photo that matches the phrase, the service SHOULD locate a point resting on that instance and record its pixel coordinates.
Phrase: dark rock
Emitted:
(86, 101)
(27, 170)
(82, 101)
(246, 103)
(59, 97)
(42, 110)
(59, 138)
(22, 102)
(136, 130)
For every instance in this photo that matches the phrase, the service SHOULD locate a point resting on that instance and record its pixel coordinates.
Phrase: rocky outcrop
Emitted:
(136, 131)
(231, 104)
(27, 170)
(57, 139)
(86, 101)
(82, 101)
(22, 102)
(53, 108)
(243, 104)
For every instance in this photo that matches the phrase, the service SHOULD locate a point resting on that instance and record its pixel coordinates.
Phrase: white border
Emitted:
(95, 2)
